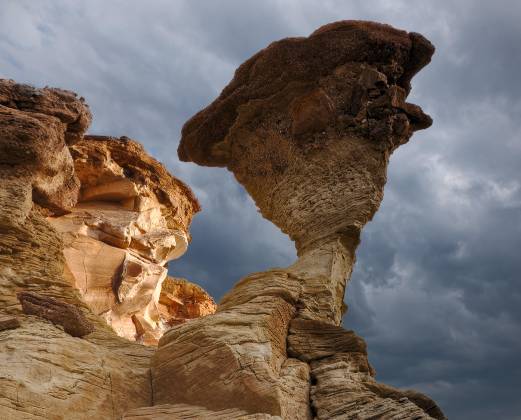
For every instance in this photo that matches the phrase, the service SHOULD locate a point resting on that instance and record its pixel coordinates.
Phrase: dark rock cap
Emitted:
(396, 53)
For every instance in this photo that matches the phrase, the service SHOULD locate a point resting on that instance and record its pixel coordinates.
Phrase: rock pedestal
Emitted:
(307, 126)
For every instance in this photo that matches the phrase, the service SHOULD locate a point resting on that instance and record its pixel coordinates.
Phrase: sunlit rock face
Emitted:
(131, 218)
(47, 371)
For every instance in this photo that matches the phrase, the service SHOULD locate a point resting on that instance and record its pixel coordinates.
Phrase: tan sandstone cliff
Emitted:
(307, 126)
(86, 228)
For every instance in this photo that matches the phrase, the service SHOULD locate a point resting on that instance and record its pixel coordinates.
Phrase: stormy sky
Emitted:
(436, 290)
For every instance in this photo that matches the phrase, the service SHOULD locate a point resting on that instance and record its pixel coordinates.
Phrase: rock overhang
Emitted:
(303, 62)
(307, 126)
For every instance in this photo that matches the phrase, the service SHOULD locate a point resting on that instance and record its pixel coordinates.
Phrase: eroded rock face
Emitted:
(45, 372)
(307, 126)
(68, 224)
(131, 218)
(181, 300)
(37, 125)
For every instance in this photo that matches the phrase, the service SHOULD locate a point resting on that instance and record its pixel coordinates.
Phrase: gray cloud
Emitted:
(436, 288)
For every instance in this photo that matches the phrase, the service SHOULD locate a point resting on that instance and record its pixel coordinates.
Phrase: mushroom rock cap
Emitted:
(307, 125)
(398, 54)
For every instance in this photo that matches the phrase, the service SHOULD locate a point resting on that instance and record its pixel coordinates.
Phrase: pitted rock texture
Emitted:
(134, 215)
(308, 118)
(307, 126)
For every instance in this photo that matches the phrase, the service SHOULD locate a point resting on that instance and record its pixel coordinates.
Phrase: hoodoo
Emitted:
(89, 223)
(307, 126)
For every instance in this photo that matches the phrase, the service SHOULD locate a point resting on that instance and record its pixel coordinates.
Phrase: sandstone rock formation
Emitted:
(46, 369)
(131, 218)
(307, 126)
(88, 224)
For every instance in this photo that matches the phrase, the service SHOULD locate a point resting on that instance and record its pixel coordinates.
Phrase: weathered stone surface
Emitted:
(60, 104)
(342, 390)
(47, 374)
(184, 411)
(8, 323)
(311, 340)
(44, 372)
(353, 78)
(59, 313)
(136, 215)
(35, 126)
(235, 358)
(421, 400)
(106, 164)
(181, 300)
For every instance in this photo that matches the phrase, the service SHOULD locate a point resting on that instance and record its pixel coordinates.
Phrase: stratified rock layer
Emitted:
(58, 358)
(307, 126)
(45, 372)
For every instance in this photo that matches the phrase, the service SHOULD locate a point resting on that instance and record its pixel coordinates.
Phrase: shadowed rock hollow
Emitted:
(307, 126)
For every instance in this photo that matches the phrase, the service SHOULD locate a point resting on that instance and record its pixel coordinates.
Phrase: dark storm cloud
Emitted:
(436, 288)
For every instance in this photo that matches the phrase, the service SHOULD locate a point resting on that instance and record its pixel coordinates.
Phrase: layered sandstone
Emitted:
(88, 224)
(44, 371)
(58, 357)
(307, 126)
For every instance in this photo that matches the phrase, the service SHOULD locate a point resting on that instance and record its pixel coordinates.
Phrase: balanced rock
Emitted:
(307, 126)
